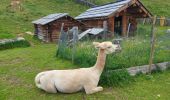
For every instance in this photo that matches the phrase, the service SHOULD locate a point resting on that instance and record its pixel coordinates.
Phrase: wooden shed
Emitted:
(120, 16)
(48, 28)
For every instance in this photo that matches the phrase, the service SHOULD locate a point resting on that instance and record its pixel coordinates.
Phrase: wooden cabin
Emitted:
(48, 28)
(120, 16)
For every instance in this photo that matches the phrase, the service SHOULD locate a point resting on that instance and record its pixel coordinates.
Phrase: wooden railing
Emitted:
(160, 21)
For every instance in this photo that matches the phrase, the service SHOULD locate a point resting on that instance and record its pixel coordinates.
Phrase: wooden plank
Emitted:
(143, 8)
(124, 25)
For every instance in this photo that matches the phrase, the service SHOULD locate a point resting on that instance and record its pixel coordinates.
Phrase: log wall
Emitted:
(51, 31)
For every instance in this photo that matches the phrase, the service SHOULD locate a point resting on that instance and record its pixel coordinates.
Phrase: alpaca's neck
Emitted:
(100, 61)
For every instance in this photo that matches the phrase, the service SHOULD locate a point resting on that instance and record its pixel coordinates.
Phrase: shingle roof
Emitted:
(49, 18)
(103, 11)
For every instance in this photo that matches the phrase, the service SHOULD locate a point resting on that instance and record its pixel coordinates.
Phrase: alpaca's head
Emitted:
(107, 46)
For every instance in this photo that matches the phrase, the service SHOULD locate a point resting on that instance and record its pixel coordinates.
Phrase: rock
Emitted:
(30, 33)
(159, 95)
(168, 31)
(4, 41)
(20, 38)
(145, 69)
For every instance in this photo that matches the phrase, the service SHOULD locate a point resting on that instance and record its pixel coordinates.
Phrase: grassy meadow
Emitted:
(19, 66)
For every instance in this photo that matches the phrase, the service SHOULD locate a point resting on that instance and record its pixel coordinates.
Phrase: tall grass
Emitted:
(133, 53)
(115, 78)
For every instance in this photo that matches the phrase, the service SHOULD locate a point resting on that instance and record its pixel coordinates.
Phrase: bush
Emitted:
(115, 78)
(14, 44)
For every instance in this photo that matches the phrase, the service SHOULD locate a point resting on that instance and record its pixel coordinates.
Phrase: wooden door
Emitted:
(118, 25)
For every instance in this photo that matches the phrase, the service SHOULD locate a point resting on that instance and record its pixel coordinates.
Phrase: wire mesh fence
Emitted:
(135, 50)
(161, 21)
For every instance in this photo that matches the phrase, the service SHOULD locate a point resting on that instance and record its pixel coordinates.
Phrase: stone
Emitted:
(145, 68)
(29, 33)
(168, 31)
(20, 38)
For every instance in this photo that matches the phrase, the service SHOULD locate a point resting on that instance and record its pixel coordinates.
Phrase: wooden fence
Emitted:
(159, 21)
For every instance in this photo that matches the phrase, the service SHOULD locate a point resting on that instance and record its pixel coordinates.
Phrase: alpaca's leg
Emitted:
(50, 88)
(90, 90)
(48, 85)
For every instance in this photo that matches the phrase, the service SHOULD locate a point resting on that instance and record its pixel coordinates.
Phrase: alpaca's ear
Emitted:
(96, 44)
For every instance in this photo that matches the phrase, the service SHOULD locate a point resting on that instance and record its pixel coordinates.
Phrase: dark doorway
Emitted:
(118, 25)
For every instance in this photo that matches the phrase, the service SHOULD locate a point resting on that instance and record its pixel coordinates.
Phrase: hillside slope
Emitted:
(20, 21)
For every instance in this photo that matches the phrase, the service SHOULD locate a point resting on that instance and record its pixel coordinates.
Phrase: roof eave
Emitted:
(93, 18)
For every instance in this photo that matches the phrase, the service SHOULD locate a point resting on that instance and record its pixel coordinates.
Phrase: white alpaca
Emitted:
(70, 81)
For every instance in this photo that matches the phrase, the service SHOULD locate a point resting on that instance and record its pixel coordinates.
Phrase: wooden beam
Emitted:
(152, 44)
(134, 5)
(124, 25)
(111, 21)
(143, 8)
(140, 11)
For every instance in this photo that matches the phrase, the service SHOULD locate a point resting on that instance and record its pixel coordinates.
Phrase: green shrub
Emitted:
(14, 44)
(115, 78)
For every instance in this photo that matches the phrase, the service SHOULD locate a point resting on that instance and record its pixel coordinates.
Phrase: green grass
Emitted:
(7, 36)
(19, 66)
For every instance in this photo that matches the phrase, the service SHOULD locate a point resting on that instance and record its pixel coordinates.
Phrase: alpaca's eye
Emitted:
(109, 47)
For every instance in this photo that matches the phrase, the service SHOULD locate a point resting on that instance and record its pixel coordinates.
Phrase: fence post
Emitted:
(162, 21)
(144, 20)
(128, 29)
(152, 44)
(60, 39)
(105, 29)
(75, 39)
